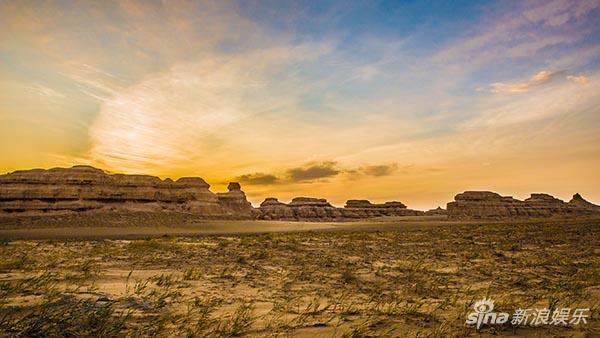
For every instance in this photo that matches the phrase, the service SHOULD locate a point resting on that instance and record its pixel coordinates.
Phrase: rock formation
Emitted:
(577, 202)
(318, 209)
(87, 189)
(84, 188)
(486, 204)
(436, 212)
(365, 209)
(299, 209)
(235, 203)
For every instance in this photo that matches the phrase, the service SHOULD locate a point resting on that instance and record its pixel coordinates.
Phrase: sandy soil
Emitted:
(397, 278)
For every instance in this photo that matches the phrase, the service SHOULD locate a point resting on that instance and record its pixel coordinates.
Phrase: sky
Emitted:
(413, 101)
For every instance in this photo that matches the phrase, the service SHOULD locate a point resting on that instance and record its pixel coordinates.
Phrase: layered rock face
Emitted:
(318, 209)
(578, 202)
(87, 189)
(235, 203)
(299, 209)
(84, 188)
(436, 212)
(366, 209)
(486, 204)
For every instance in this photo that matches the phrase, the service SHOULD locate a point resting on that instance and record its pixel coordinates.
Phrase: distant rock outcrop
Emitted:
(299, 209)
(578, 202)
(366, 209)
(85, 188)
(318, 209)
(235, 203)
(486, 204)
(436, 212)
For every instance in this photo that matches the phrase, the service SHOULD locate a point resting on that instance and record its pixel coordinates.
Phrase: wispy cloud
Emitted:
(44, 91)
(559, 12)
(568, 97)
(538, 79)
(177, 117)
(244, 92)
(533, 30)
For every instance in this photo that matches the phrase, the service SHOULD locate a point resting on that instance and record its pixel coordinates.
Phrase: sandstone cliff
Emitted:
(299, 209)
(87, 189)
(84, 188)
(486, 204)
(366, 209)
(235, 203)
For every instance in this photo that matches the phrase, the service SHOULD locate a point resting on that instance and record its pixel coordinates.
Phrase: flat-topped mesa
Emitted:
(190, 182)
(486, 204)
(299, 209)
(272, 209)
(85, 188)
(318, 209)
(369, 205)
(309, 201)
(272, 202)
(366, 209)
(393, 204)
(545, 205)
(479, 196)
(358, 204)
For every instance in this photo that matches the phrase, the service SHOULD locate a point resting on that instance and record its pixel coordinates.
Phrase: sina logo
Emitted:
(483, 314)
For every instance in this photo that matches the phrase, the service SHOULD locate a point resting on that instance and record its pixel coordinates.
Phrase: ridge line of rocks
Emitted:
(88, 189)
(490, 205)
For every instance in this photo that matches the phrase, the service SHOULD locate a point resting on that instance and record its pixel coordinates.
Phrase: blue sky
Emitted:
(408, 100)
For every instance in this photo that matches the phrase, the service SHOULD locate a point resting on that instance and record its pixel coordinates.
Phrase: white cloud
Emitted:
(538, 79)
(558, 12)
(560, 99)
(181, 117)
(501, 87)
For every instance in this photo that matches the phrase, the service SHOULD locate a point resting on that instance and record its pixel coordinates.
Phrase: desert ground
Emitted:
(406, 277)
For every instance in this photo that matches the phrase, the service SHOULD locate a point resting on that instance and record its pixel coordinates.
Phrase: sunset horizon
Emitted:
(338, 200)
(413, 101)
(299, 168)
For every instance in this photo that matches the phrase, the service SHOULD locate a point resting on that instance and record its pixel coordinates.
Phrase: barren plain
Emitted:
(405, 277)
